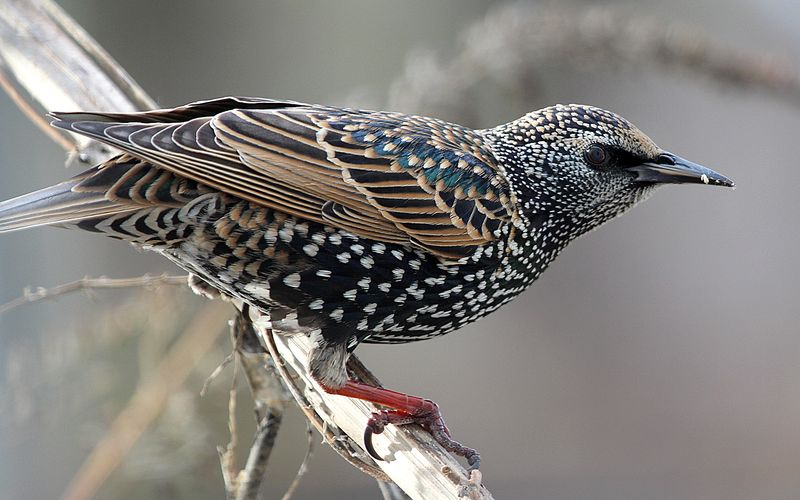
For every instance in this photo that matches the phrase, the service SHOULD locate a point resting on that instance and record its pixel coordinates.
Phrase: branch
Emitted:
(88, 283)
(270, 397)
(48, 62)
(517, 45)
(391, 491)
(301, 471)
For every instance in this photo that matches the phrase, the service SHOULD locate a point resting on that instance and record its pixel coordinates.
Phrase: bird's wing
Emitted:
(385, 176)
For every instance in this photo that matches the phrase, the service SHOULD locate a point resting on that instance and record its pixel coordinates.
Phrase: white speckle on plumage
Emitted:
(367, 262)
(324, 273)
(292, 280)
(337, 314)
(301, 229)
(343, 257)
(397, 254)
(414, 290)
(364, 282)
(271, 235)
(428, 309)
(370, 308)
(286, 234)
(350, 294)
(434, 281)
(311, 249)
(316, 304)
(378, 248)
(260, 290)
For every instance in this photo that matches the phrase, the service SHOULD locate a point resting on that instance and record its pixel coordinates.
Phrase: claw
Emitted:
(375, 425)
(368, 444)
(429, 419)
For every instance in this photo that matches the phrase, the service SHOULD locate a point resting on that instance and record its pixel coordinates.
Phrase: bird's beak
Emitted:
(672, 169)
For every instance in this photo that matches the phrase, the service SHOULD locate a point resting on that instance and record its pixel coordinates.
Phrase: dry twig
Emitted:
(270, 397)
(88, 283)
(48, 62)
(301, 471)
(518, 45)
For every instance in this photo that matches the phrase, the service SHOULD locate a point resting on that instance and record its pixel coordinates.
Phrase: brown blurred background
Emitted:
(659, 357)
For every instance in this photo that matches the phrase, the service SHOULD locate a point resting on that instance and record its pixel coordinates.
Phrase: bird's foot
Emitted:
(429, 417)
(404, 409)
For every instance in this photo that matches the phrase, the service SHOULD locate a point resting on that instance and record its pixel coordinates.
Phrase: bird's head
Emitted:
(586, 165)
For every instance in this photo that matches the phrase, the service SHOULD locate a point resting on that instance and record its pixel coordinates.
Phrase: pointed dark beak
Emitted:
(672, 169)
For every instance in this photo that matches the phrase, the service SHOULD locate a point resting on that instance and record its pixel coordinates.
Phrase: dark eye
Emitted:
(597, 156)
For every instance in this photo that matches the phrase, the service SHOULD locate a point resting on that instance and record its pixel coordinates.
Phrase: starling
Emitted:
(355, 226)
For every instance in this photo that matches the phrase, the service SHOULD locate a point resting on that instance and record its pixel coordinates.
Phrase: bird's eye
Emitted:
(597, 156)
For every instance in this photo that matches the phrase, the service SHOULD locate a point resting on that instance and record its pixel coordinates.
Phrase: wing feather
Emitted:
(385, 176)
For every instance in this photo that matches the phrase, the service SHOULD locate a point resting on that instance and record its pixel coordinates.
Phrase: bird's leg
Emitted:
(405, 409)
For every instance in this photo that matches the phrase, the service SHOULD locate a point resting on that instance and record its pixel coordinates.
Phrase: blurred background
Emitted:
(658, 358)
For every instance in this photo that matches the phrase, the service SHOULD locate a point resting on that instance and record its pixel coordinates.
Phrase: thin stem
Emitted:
(88, 283)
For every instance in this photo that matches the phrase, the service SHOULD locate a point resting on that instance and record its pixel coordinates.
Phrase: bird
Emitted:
(352, 225)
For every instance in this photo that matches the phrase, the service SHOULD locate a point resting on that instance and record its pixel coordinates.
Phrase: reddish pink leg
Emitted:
(405, 410)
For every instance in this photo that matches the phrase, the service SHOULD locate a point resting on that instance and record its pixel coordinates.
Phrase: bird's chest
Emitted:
(448, 297)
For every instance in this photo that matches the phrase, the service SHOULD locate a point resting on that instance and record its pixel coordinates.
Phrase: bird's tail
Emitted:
(59, 205)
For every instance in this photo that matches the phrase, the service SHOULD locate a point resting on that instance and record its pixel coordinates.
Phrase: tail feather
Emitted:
(57, 205)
